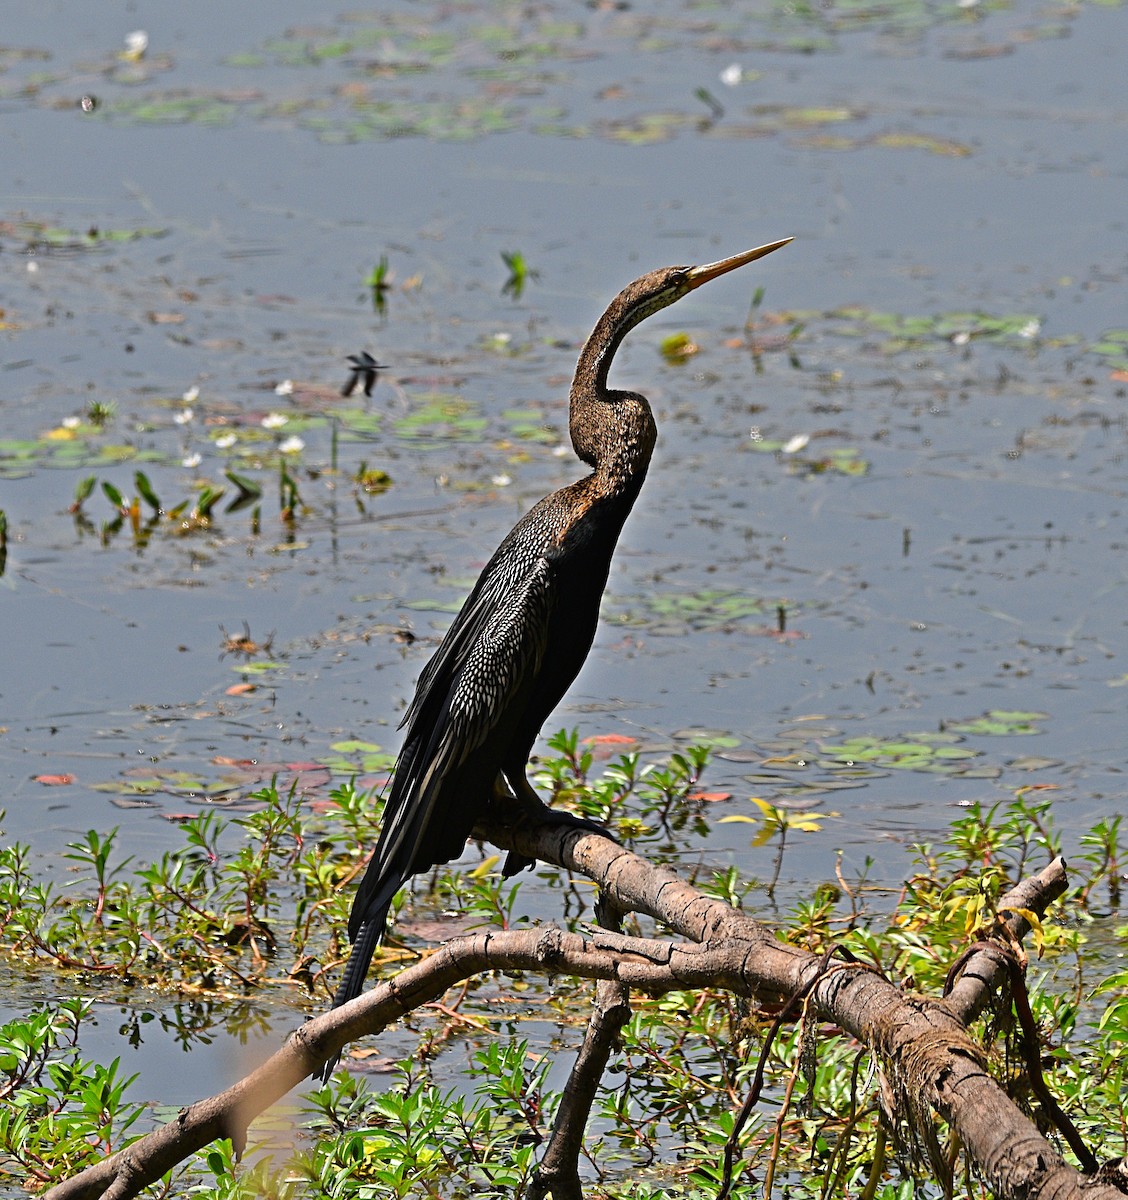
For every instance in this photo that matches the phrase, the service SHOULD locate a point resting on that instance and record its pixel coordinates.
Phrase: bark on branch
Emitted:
(920, 1044)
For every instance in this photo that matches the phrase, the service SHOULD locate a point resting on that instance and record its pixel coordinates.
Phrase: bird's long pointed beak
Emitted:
(696, 276)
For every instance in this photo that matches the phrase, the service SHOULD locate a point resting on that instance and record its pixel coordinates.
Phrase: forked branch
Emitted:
(919, 1043)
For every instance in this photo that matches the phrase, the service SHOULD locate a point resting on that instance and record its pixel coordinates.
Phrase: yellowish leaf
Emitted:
(485, 867)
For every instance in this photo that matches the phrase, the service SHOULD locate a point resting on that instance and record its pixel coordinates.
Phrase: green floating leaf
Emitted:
(714, 738)
(674, 612)
(444, 606)
(129, 787)
(357, 756)
(530, 425)
(441, 417)
(1001, 723)
(909, 752)
(355, 747)
(678, 347)
(1033, 762)
(923, 141)
(373, 481)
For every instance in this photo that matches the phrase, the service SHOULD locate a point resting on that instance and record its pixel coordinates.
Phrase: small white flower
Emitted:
(192, 461)
(274, 421)
(560, 451)
(292, 445)
(285, 388)
(755, 434)
(225, 441)
(501, 480)
(183, 417)
(71, 422)
(1030, 329)
(795, 444)
(32, 267)
(191, 395)
(962, 338)
(136, 43)
(732, 75)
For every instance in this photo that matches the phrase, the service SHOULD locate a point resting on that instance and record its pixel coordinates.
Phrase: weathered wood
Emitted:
(930, 1065)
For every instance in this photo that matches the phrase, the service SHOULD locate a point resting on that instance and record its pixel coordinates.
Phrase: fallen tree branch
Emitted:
(973, 980)
(931, 1063)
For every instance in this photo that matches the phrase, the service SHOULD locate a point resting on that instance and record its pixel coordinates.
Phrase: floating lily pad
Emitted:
(358, 424)
(934, 752)
(839, 460)
(905, 331)
(1033, 762)
(649, 128)
(676, 612)
(1001, 723)
(130, 787)
(716, 738)
(34, 235)
(357, 757)
(1113, 348)
(922, 141)
(81, 446)
(677, 348)
(530, 425)
(179, 107)
(173, 782)
(441, 417)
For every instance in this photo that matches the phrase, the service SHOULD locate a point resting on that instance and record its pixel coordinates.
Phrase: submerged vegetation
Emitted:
(252, 906)
(458, 73)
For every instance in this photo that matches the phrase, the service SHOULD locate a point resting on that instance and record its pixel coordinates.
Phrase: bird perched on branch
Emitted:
(522, 635)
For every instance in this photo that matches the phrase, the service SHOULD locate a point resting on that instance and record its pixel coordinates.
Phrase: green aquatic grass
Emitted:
(247, 905)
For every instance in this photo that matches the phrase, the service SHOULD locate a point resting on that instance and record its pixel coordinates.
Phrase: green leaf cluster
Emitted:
(253, 903)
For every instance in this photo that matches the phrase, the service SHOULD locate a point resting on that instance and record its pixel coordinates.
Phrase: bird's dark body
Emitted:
(523, 634)
(534, 609)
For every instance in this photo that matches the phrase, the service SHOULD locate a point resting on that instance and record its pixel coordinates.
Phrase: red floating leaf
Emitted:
(709, 797)
(54, 780)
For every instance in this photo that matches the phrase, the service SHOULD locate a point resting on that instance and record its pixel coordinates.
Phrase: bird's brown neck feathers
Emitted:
(612, 431)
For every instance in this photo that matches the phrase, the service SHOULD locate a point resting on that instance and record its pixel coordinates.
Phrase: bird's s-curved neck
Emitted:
(594, 363)
(613, 431)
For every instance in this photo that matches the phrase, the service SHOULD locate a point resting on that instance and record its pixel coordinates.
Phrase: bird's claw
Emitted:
(542, 814)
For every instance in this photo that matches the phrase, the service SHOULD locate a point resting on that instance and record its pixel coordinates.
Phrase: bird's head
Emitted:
(647, 295)
(594, 436)
(661, 288)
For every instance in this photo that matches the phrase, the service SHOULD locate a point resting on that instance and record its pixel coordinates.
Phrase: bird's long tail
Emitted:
(356, 969)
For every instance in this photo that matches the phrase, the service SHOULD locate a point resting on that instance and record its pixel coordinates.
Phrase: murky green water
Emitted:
(917, 448)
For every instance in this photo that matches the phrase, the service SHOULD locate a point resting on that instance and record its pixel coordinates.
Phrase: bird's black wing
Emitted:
(469, 692)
